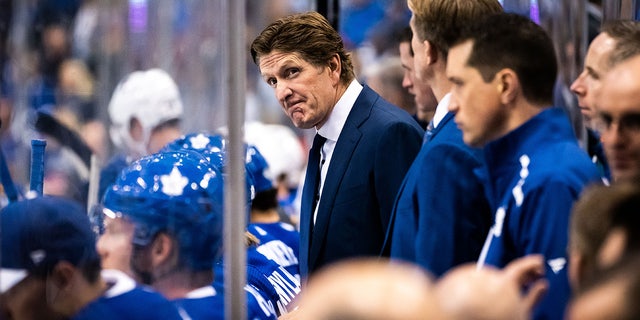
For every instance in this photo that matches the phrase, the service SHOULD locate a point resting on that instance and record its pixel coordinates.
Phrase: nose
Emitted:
(613, 137)
(100, 247)
(406, 81)
(454, 106)
(577, 87)
(283, 91)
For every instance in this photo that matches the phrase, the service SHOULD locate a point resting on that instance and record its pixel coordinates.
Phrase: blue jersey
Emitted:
(202, 303)
(279, 242)
(274, 283)
(126, 300)
(208, 303)
(535, 173)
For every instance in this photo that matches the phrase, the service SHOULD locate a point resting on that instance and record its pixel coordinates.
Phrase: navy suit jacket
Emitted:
(373, 153)
(441, 216)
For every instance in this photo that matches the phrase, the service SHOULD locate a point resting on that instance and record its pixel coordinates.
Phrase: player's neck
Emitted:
(178, 284)
(268, 216)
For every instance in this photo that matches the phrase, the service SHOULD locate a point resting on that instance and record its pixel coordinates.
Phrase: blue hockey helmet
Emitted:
(214, 148)
(179, 193)
(256, 165)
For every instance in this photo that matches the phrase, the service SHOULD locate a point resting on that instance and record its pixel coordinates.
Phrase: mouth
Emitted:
(584, 110)
(290, 104)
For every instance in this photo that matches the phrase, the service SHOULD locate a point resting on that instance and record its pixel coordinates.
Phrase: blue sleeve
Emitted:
(453, 214)
(543, 228)
(396, 151)
(257, 306)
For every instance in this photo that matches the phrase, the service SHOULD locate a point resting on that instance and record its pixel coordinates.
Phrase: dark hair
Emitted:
(626, 215)
(513, 41)
(440, 21)
(591, 220)
(405, 36)
(89, 269)
(265, 200)
(626, 33)
(308, 34)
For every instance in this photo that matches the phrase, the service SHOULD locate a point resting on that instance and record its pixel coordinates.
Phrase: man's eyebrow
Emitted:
(592, 72)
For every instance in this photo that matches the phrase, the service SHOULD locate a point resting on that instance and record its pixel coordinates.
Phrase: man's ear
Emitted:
(508, 85)
(135, 129)
(431, 52)
(335, 69)
(162, 250)
(62, 275)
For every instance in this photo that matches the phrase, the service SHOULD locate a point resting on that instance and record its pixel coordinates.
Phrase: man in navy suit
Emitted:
(352, 178)
(441, 216)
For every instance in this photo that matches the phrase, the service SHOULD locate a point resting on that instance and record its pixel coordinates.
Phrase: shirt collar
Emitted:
(338, 116)
(441, 110)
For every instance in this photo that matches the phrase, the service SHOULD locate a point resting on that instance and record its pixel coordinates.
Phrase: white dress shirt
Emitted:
(331, 130)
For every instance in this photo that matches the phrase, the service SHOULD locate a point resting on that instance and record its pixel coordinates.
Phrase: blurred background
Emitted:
(65, 57)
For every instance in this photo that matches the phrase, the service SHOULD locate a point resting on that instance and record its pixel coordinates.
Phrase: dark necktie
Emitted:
(314, 163)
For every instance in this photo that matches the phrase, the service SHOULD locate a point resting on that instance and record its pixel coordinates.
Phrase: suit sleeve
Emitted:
(395, 153)
(453, 214)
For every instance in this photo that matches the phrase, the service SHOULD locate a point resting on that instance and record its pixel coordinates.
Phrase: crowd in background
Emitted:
(141, 84)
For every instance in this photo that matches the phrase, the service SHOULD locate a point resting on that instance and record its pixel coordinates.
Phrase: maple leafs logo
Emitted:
(173, 184)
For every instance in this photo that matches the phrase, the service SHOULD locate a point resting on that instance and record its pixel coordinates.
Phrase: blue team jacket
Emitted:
(534, 175)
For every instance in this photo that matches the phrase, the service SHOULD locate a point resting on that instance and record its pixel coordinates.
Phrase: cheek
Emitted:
(114, 249)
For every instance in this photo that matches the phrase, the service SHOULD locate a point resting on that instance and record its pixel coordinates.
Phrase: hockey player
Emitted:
(272, 265)
(174, 201)
(145, 112)
(50, 269)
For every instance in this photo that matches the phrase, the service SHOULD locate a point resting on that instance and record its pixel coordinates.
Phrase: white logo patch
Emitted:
(199, 142)
(173, 184)
(498, 225)
(557, 264)
(518, 195)
(37, 256)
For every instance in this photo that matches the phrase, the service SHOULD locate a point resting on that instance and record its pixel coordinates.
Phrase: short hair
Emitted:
(591, 220)
(626, 33)
(626, 215)
(308, 34)
(440, 21)
(509, 40)
(405, 36)
(265, 200)
(90, 271)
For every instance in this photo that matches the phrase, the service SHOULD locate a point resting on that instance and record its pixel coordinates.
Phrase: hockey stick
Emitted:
(36, 181)
(47, 124)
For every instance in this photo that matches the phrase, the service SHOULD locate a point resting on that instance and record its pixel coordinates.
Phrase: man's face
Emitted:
(114, 245)
(476, 103)
(424, 99)
(27, 300)
(588, 83)
(406, 59)
(618, 120)
(307, 93)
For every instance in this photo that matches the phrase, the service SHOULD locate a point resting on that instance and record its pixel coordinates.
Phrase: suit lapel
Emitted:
(306, 217)
(448, 117)
(346, 145)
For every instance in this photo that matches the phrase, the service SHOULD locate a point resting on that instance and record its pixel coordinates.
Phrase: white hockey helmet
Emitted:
(151, 97)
